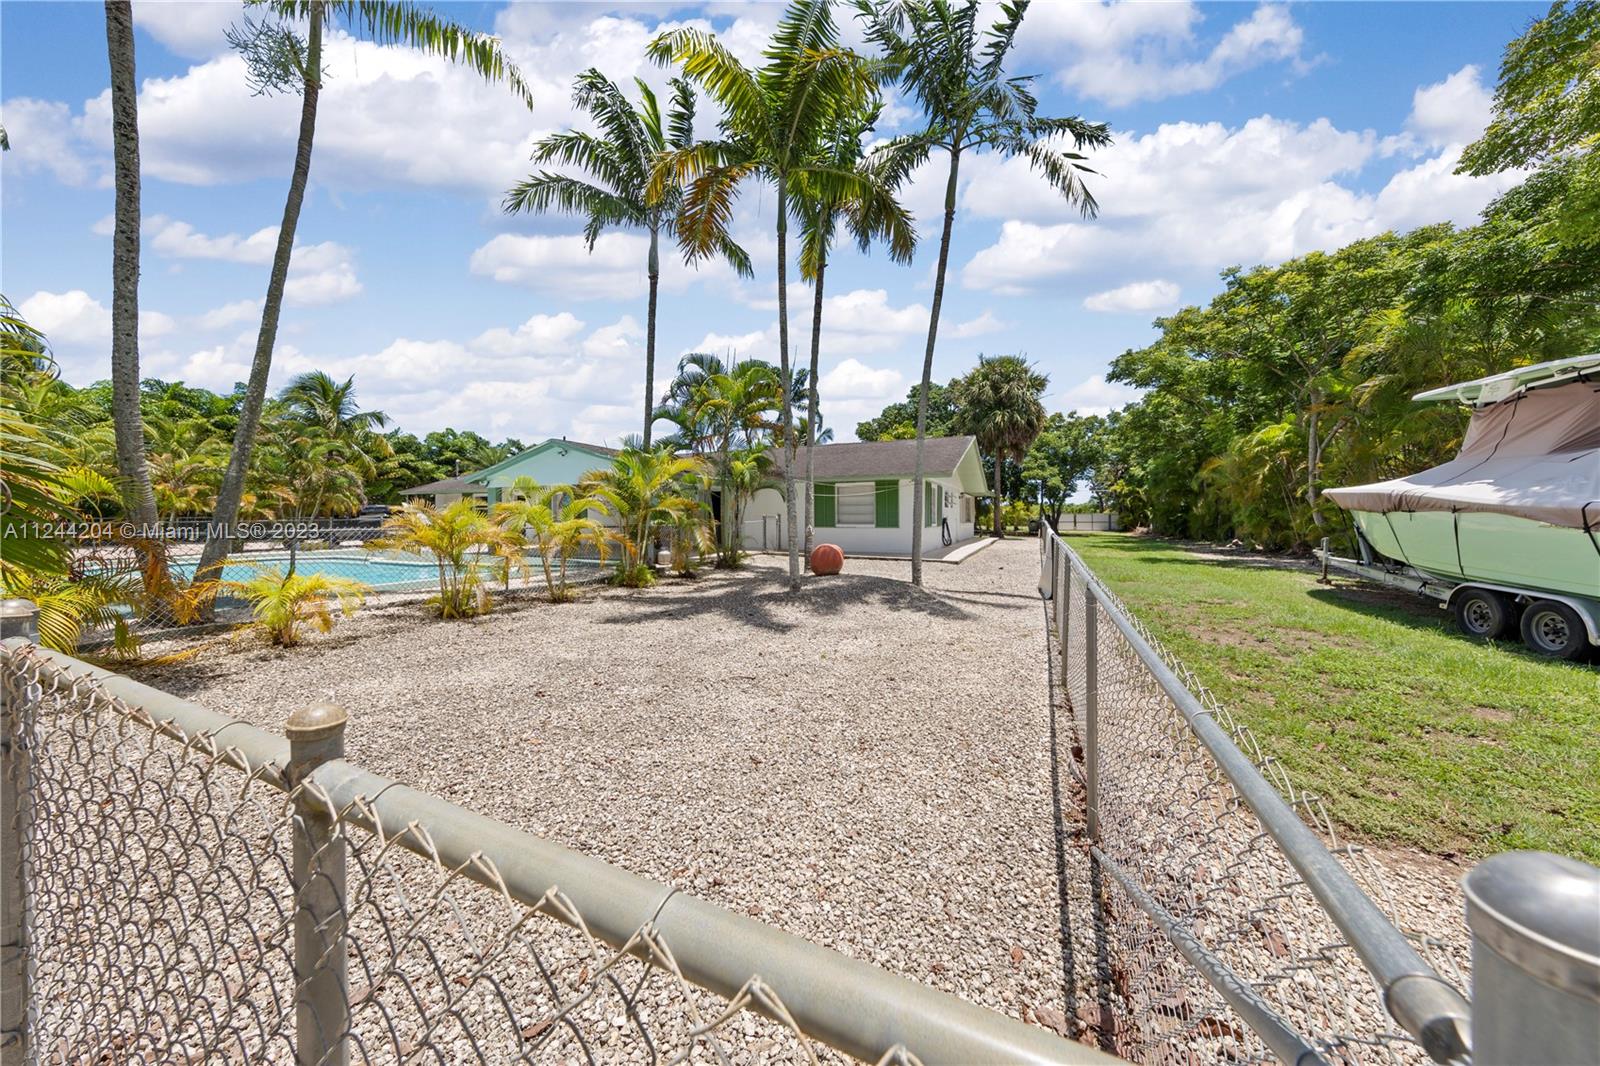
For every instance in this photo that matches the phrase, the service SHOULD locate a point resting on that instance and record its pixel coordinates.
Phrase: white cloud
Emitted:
(1452, 111)
(321, 274)
(1201, 196)
(229, 314)
(853, 379)
(47, 138)
(620, 340)
(180, 240)
(1123, 53)
(539, 335)
(1154, 295)
(189, 28)
(68, 318)
(1096, 396)
(977, 327)
(615, 270)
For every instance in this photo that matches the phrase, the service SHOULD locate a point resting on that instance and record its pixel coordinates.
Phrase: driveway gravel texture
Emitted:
(861, 763)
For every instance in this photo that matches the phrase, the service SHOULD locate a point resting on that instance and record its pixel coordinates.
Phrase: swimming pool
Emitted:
(382, 573)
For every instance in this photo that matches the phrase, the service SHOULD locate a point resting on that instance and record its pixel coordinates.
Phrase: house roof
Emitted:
(462, 485)
(599, 451)
(942, 457)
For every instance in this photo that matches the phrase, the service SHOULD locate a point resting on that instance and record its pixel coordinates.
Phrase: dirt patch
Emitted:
(1493, 714)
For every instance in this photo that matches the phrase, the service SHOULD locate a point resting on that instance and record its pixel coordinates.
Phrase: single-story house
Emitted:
(555, 462)
(864, 496)
(444, 493)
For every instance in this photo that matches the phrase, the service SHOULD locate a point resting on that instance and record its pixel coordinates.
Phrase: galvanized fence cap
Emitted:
(1541, 912)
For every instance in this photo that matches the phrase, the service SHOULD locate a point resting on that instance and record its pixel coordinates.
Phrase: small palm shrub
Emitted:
(459, 538)
(645, 490)
(691, 539)
(282, 605)
(558, 520)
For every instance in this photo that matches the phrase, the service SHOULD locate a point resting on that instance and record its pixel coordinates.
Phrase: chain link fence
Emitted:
(182, 887)
(1234, 934)
(157, 572)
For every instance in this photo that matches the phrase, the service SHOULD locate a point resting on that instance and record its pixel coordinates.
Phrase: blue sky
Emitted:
(1245, 133)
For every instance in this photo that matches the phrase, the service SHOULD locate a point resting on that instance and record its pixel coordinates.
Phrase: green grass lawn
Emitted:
(1412, 733)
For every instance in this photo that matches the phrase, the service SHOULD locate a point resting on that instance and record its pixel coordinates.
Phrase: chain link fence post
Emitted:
(18, 618)
(1064, 615)
(1091, 713)
(1535, 921)
(322, 987)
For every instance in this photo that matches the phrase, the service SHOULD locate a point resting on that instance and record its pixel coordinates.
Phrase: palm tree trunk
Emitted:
(999, 485)
(927, 362)
(131, 464)
(811, 402)
(232, 491)
(787, 384)
(650, 334)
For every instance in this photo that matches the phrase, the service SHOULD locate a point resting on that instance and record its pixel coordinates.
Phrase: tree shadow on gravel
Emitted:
(756, 599)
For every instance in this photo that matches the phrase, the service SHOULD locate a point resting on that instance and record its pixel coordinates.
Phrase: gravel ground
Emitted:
(863, 764)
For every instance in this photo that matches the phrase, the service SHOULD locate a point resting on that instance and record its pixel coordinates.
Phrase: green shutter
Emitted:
(824, 506)
(887, 494)
(927, 503)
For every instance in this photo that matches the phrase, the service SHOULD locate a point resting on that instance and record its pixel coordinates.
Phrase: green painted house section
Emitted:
(554, 462)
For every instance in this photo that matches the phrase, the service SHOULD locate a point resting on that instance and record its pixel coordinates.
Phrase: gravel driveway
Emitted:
(863, 763)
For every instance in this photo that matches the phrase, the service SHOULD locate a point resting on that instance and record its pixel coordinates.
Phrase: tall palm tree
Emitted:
(131, 465)
(999, 403)
(280, 59)
(870, 212)
(620, 163)
(773, 120)
(935, 50)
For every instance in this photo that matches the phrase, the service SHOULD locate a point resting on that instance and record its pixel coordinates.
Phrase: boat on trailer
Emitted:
(1507, 534)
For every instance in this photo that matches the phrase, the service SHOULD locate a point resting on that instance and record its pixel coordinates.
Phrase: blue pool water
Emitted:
(385, 574)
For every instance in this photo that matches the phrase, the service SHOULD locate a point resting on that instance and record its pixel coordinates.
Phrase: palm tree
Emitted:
(870, 212)
(721, 412)
(283, 603)
(620, 163)
(131, 465)
(773, 120)
(935, 50)
(279, 59)
(559, 520)
(999, 403)
(644, 490)
(457, 537)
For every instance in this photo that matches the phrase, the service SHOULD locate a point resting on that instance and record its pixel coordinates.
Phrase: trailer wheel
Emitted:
(1485, 614)
(1552, 628)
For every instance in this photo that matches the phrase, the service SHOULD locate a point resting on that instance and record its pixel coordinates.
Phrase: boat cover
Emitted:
(1534, 455)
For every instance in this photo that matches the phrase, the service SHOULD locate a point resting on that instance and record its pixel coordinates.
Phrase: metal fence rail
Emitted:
(1238, 934)
(181, 886)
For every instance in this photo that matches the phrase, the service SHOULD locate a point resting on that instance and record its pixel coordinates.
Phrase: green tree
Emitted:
(279, 59)
(620, 161)
(773, 120)
(1000, 403)
(1060, 457)
(898, 421)
(935, 50)
(1547, 114)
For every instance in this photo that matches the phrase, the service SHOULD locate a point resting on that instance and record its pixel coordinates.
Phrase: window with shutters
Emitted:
(855, 503)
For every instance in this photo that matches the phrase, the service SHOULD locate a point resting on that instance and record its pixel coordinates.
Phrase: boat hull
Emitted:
(1498, 549)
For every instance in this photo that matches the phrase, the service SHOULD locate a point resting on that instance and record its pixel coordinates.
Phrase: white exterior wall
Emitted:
(768, 504)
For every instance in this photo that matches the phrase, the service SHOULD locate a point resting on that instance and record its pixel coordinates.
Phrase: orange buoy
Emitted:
(827, 559)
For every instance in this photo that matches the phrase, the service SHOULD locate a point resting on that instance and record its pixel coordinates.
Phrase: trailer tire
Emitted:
(1552, 628)
(1484, 614)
